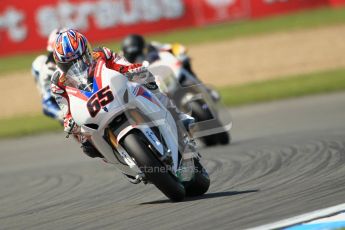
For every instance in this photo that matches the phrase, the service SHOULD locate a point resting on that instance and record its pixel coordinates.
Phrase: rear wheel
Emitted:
(210, 140)
(224, 138)
(200, 183)
(201, 114)
(155, 171)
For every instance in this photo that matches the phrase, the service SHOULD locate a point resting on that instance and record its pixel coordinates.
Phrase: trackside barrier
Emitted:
(25, 25)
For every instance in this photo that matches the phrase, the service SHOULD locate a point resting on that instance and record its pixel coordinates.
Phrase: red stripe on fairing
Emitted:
(145, 94)
(76, 93)
(98, 73)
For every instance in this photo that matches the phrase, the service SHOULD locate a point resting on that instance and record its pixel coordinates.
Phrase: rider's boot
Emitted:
(133, 180)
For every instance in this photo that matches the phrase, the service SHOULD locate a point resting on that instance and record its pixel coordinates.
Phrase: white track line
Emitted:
(335, 218)
(302, 218)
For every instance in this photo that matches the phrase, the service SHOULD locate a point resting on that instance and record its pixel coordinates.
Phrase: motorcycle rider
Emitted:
(72, 47)
(43, 68)
(136, 50)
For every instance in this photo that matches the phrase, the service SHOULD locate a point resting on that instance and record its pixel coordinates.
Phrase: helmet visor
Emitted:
(78, 71)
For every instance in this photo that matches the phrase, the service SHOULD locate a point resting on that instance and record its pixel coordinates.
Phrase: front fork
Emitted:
(189, 153)
(185, 168)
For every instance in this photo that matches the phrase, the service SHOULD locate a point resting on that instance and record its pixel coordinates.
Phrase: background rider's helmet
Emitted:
(133, 46)
(51, 39)
(71, 47)
(50, 44)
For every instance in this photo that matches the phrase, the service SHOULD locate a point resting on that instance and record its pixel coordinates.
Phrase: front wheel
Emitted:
(155, 171)
(200, 182)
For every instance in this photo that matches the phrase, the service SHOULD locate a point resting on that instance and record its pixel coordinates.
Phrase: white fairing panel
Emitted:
(117, 83)
(125, 95)
(161, 118)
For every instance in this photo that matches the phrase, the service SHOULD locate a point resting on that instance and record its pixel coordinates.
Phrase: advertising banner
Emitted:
(25, 25)
(337, 3)
(211, 11)
(261, 8)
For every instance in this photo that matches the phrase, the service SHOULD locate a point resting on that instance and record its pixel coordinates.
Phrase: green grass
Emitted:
(289, 87)
(307, 19)
(293, 86)
(27, 125)
(17, 63)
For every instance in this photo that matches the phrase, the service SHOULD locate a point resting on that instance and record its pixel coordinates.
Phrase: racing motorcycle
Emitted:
(191, 96)
(133, 131)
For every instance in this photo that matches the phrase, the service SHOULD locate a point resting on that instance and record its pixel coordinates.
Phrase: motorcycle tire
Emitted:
(201, 114)
(224, 138)
(200, 182)
(137, 147)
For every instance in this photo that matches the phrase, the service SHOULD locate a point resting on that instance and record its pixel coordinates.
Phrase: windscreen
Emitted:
(78, 75)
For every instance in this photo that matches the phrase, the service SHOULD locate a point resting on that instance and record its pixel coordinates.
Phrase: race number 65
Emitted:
(99, 100)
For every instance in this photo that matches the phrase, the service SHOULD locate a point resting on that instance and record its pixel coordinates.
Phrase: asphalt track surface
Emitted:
(287, 158)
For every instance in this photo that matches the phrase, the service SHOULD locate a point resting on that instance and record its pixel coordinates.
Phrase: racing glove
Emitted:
(70, 126)
(139, 74)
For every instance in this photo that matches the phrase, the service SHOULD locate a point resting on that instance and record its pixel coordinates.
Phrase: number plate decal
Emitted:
(98, 100)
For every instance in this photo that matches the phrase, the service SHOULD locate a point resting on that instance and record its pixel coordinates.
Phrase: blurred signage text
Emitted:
(25, 25)
(11, 21)
(105, 13)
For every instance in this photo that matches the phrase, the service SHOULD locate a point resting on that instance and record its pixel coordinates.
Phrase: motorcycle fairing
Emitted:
(127, 96)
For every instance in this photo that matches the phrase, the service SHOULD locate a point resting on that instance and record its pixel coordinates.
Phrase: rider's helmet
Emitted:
(71, 48)
(133, 47)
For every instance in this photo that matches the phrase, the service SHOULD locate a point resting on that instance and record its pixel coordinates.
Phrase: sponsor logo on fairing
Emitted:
(152, 136)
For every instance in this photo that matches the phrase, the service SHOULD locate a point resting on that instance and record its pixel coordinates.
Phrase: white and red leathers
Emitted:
(112, 61)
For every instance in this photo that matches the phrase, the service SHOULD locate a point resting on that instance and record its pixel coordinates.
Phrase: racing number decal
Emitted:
(99, 100)
(93, 105)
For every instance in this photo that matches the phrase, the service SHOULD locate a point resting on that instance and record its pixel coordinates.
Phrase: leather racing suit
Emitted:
(112, 61)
